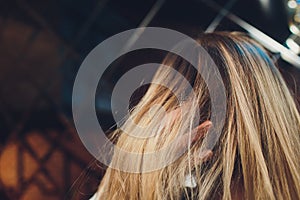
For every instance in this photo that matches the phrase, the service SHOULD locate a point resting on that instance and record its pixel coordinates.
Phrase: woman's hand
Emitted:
(198, 133)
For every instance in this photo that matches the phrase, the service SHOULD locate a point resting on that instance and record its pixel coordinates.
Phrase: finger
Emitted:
(205, 155)
(174, 114)
(200, 131)
(197, 133)
(170, 118)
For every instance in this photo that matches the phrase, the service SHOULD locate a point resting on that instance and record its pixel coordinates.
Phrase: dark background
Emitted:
(43, 43)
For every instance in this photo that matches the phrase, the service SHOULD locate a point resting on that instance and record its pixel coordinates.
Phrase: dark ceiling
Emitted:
(44, 42)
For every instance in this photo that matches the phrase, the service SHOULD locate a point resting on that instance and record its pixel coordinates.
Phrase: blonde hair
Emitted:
(258, 153)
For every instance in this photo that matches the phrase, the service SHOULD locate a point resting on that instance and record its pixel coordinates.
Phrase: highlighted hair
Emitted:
(258, 153)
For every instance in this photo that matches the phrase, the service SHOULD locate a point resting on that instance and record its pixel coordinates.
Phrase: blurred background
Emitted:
(43, 43)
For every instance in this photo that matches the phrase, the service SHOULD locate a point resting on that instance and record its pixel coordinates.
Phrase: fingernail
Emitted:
(206, 127)
(208, 124)
(205, 155)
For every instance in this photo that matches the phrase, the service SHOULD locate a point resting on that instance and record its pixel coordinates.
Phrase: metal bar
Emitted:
(43, 23)
(216, 21)
(145, 22)
(91, 19)
(265, 40)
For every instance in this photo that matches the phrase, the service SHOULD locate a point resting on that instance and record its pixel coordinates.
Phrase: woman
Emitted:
(258, 153)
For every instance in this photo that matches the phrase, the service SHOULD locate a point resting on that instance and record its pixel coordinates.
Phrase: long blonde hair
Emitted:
(258, 153)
